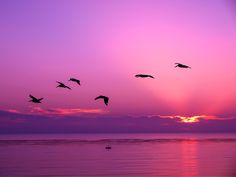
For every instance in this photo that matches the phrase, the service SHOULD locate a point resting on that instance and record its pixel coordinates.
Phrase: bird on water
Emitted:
(108, 147)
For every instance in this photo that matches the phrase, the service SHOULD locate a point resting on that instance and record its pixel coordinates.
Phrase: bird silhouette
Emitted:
(182, 65)
(35, 100)
(62, 85)
(75, 80)
(144, 76)
(106, 99)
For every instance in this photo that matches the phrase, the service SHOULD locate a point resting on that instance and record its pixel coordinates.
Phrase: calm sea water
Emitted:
(134, 155)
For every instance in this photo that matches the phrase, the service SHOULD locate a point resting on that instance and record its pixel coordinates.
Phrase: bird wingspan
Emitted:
(33, 97)
(105, 99)
(40, 99)
(75, 80)
(144, 75)
(60, 82)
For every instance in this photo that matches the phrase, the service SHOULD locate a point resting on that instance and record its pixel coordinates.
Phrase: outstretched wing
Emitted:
(106, 99)
(60, 83)
(78, 82)
(99, 97)
(68, 87)
(150, 76)
(32, 97)
(141, 75)
(40, 99)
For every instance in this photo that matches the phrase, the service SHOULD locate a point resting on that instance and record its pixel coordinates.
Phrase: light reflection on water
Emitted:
(136, 155)
(189, 159)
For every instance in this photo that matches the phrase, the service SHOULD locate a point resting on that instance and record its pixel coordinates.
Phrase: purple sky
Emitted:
(104, 44)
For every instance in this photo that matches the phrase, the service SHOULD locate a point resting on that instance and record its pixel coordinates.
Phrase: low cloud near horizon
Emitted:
(13, 121)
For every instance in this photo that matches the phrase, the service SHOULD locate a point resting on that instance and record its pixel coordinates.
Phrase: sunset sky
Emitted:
(104, 43)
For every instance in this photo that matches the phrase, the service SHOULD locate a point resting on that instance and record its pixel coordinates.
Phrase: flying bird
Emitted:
(35, 100)
(182, 65)
(62, 85)
(75, 80)
(144, 76)
(106, 99)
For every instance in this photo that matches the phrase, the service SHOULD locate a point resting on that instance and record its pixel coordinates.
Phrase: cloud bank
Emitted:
(73, 121)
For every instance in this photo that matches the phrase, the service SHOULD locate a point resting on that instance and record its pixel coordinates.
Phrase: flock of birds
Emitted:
(104, 98)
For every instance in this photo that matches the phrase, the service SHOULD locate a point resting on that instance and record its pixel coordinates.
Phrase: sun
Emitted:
(188, 119)
(192, 119)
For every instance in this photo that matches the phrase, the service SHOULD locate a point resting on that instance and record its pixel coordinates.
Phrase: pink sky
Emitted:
(105, 43)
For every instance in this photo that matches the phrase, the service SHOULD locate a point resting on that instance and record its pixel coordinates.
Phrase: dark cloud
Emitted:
(13, 122)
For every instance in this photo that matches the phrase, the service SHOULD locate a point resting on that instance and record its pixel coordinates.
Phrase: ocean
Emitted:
(131, 155)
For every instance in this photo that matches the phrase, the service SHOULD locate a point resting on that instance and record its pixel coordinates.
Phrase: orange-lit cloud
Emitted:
(36, 110)
(12, 111)
(194, 119)
(66, 111)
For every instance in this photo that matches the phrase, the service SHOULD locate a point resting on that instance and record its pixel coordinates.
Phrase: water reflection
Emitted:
(150, 157)
(189, 158)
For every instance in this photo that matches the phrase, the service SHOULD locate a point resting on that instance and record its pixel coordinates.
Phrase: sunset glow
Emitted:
(104, 44)
(118, 88)
(192, 119)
